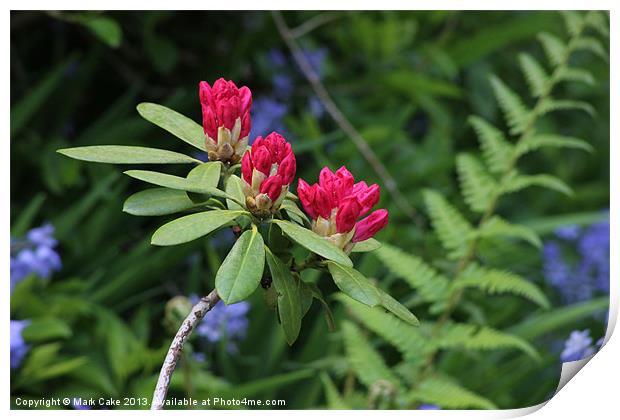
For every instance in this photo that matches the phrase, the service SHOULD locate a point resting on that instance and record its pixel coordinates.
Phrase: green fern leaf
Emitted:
(447, 393)
(552, 105)
(536, 77)
(588, 43)
(334, 400)
(407, 339)
(598, 21)
(517, 182)
(571, 74)
(365, 361)
(573, 21)
(475, 337)
(515, 112)
(477, 186)
(496, 226)
(453, 230)
(496, 150)
(494, 281)
(428, 283)
(538, 141)
(554, 47)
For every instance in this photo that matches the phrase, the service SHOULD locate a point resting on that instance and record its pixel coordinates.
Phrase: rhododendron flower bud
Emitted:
(267, 171)
(336, 204)
(225, 119)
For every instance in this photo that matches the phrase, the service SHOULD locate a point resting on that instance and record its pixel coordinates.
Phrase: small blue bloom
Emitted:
(316, 106)
(429, 407)
(42, 236)
(267, 115)
(19, 348)
(316, 58)
(225, 321)
(276, 58)
(577, 347)
(282, 85)
(568, 232)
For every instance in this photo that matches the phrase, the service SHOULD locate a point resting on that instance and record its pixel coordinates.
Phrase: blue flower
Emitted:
(225, 321)
(577, 347)
(429, 407)
(316, 58)
(19, 348)
(568, 232)
(267, 115)
(316, 106)
(42, 236)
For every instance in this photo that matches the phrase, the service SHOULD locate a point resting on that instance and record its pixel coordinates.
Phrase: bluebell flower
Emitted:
(577, 347)
(316, 106)
(35, 254)
(225, 321)
(282, 85)
(267, 115)
(276, 58)
(580, 280)
(19, 348)
(316, 58)
(429, 407)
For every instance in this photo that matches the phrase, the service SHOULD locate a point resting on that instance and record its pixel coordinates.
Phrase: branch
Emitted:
(313, 23)
(174, 352)
(340, 119)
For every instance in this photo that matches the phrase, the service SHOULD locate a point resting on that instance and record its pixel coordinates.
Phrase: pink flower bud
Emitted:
(370, 225)
(287, 169)
(369, 198)
(348, 212)
(261, 158)
(222, 105)
(272, 186)
(246, 168)
(323, 202)
(307, 195)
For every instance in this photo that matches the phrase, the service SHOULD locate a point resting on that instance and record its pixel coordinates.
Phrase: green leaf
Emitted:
(555, 49)
(496, 226)
(233, 188)
(447, 393)
(365, 361)
(125, 154)
(157, 202)
(354, 284)
(368, 245)
(597, 20)
(42, 329)
(571, 74)
(477, 186)
(398, 309)
(242, 269)
(496, 150)
(332, 396)
(494, 281)
(313, 242)
(289, 303)
(426, 281)
(588, 43)
(26, 216)
(552, 105)
(295, 212)
(173, 122)
(515, 112)
(206, 174)
(453, 230)
(573, 21)
(517, 182)
(318, 295)
(538, 141)
(193, 226)
(536, 77)
(104, 28)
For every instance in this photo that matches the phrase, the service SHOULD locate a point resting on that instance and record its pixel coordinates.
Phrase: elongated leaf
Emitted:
(126, 154)
(588, 43)
(396, 308)
(354, 284)
(233, 188)
(314, 242)
(496, 226)
(242, 269)
(41, 329)
(447, 393)
(318, 295)
(552, 105)
(157, 202)
(517, 182)
(510, 102)
(453, 229)
(477, 186)
(368, 245)
(173, 122)
(193, 226)
(333, 397)
(571, 74)
(535, 75)
(496, 150)
(289, 303)
(554, 48)
(295, 212)
(538, 141)
(206, 174)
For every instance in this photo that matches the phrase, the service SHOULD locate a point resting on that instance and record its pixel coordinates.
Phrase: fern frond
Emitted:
(494, 281)
(588, 43)
(571, 74)
(515, 112)
(477, 186)
(407, 339)
(518, 182)
(424, 279)
(365, 361)
(552, 105)
(538, 141)
(453, 230)
(496, 151)
(597, 21)
(535, 75)
(496, 226)
(474, 337)
(573, 21)
(332, 396)
(554, 48)
(447, 393)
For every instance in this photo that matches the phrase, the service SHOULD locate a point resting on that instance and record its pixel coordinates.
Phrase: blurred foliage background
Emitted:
(406, 80)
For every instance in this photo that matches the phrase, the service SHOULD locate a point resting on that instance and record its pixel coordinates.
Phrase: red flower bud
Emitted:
(370, 225)
(222, 104)
(348, 212)
(261, 159)
(287, 169)
(246, 168)
(272, 186)
(369, 198)
(323, 202)
(307, 196)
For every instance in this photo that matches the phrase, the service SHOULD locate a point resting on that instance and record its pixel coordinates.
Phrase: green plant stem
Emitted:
(456, 296)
